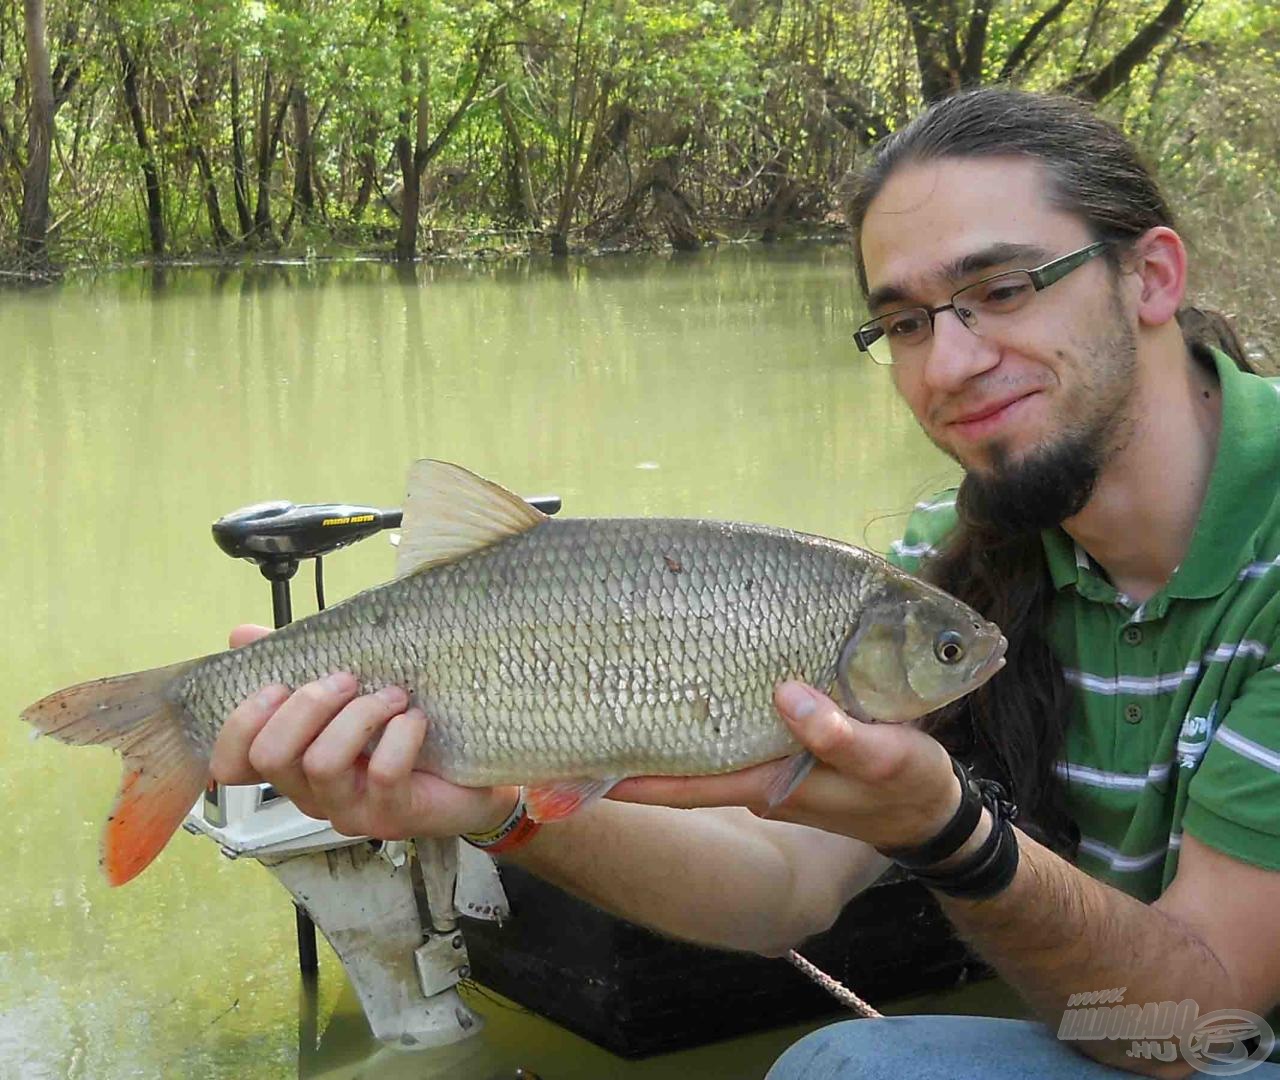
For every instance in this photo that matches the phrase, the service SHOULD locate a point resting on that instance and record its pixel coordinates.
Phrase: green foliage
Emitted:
(611, 120)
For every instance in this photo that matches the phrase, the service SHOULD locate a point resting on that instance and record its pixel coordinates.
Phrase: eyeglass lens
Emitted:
(902, 334)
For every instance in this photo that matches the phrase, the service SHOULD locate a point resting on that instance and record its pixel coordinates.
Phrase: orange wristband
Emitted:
(518, 829)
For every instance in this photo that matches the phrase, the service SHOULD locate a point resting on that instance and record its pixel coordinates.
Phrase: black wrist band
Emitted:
(954, 833)
(992, 867)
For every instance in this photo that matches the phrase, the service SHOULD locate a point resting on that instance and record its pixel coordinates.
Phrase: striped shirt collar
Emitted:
(1246, 465)
(1241, 485)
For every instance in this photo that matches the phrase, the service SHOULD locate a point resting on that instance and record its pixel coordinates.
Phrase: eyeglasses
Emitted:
(902, 335)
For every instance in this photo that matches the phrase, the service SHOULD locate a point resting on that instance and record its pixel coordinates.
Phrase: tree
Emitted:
(1110, 76)
(414, 150)
(147, 160)
(33, 228)
(617, 121)
(266, 145)
(953, 47)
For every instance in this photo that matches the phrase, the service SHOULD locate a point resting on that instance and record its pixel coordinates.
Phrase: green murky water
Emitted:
(136, 409)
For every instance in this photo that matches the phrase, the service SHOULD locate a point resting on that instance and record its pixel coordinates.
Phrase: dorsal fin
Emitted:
(450, 512)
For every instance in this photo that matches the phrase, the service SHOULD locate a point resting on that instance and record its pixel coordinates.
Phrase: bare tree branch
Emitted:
(424, 155)
(67, 71)
(1018, 54)
(1115, 73)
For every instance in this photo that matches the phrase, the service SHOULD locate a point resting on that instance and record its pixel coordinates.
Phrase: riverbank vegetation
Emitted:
(230, 128)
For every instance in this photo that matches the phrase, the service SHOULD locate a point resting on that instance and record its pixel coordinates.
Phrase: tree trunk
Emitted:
(150, 174)
(198, 100)
(845, 107)
(239, 167)
(407, 235)
(782, 197)
(267, 142)
(577, 127)
(33, 229)
(520, 204)
(262, 159)
(778, 209)
(221, 236)
(975, 44)
(581, 168)
(368, 168)
(660, 181)
(673, 209)
(416, 156)
(407, 152)
(1018, 55)
(937, 53)
(304, 198)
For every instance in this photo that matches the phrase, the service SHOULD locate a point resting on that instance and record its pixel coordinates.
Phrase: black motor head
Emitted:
(276, 531)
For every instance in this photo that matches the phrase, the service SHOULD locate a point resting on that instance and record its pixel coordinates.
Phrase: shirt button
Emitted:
(1132, 635)
(1132, 713)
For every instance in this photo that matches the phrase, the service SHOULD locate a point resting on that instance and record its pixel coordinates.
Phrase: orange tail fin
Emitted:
(164, 769)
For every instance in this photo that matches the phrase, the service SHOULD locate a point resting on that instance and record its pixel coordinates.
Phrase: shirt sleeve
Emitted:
(926, 528)
(1233, 801)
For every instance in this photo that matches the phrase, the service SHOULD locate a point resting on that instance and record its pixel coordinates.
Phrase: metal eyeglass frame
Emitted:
(1041, 278)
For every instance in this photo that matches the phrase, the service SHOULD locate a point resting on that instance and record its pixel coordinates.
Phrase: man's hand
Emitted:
(889, 785)
(311, 745)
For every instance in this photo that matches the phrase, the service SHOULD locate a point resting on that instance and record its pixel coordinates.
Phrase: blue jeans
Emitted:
(945, 1048)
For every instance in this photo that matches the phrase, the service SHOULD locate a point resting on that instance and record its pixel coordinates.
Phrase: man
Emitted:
(1127, 481)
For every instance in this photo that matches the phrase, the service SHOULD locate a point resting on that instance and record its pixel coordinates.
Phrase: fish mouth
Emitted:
(992, 663)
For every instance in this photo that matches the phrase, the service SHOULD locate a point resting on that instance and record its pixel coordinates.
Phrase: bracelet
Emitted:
(516, 831)
(954, 833)
(992, 867)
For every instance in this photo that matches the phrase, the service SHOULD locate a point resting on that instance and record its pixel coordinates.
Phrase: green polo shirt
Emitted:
(1176, 724)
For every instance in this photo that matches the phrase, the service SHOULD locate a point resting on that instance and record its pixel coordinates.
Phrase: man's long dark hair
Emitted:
(1014, 727)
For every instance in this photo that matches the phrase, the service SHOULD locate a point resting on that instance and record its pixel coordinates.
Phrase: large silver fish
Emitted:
(563, 655)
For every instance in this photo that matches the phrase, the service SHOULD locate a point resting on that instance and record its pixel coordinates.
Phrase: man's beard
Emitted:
(1049, 485)
(1054, 481)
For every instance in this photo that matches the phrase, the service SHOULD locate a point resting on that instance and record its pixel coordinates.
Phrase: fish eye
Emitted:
(948, 647)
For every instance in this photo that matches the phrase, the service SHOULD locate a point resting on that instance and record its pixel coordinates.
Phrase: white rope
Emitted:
(837, 990)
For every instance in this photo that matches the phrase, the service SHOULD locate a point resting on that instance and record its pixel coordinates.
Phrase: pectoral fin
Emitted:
(790, 775)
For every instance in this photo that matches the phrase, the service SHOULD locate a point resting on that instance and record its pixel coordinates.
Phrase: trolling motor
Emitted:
(332, 872)
(279, 535)
(272, 530)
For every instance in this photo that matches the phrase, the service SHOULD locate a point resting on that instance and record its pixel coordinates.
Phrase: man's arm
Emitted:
(1213, 937)
(718, 876)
